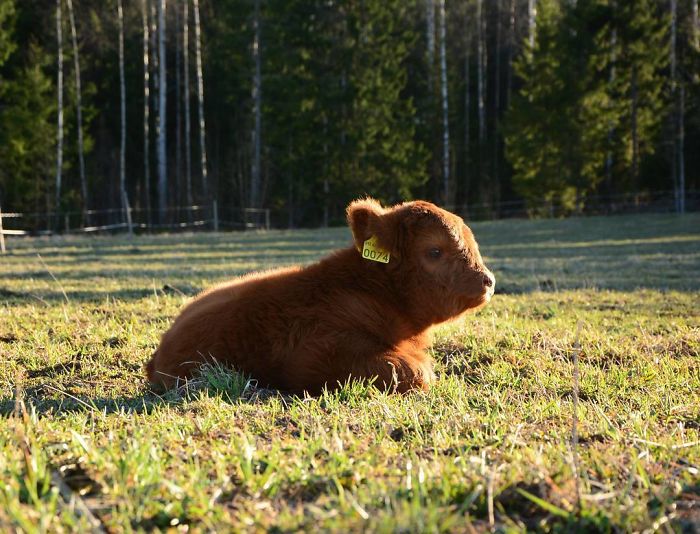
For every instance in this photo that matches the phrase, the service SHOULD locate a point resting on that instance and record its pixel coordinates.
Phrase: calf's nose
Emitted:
(489, 280)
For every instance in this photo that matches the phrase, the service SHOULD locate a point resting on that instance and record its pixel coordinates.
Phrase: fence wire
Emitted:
(211, 217)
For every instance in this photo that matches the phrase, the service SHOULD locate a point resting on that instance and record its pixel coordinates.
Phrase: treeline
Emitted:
(299, 106)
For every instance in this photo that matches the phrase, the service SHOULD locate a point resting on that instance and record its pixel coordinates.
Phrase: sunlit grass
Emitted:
(490, 442)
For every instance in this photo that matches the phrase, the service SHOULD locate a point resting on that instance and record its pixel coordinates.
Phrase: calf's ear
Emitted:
(367, 218)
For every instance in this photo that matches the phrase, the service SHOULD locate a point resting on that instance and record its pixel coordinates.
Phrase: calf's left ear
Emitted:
(367, 218)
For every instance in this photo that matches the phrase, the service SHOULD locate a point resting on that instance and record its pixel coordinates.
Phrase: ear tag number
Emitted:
(373, 252)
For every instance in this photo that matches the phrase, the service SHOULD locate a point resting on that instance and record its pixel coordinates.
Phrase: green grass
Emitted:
(489, 445)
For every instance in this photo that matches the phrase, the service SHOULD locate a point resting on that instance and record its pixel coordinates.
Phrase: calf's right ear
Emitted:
(365, 218)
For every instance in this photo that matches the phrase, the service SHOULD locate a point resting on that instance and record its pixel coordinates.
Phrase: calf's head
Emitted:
(433, 255)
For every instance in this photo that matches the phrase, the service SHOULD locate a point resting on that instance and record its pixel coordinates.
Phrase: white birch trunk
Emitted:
(186, 81)
(255, 182)
(511, 46)
(79, 111)
(162, 115)
(496, 106)
(467, 124)
(634, 97)
(611, 130)
(200, 99)
(59, 120)
(146, 111)
(122, 97)
(531, 22)
(430, 35)
(178, 110)
(481, 67)
(675, 115)
(445, 110)
(696, 30)
(326, 183)
(681, 148)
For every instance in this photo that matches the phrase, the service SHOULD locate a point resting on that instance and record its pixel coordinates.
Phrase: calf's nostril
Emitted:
(488, 280)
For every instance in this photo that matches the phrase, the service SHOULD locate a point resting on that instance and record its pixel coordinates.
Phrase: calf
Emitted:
(363, 312)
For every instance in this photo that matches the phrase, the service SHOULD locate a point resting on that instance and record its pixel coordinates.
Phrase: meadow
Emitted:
(597, 318)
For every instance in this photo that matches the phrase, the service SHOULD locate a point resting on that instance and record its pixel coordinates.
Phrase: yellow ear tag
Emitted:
(373, 252)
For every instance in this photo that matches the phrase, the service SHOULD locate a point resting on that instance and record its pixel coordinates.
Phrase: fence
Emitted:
(198, 217)
(614, 204)
(212, 217)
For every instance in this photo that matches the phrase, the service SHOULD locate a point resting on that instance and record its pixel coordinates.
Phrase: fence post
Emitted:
(267, 219)
(127, 214)
(66, 223)
(215, 211)
(2, 235)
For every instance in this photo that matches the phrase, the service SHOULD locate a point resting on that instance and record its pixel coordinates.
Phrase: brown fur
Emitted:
(301, 329)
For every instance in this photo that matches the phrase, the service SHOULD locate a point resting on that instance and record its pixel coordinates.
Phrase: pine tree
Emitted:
(558, 126)
(7, 17)
(27, 116)
(536, 121)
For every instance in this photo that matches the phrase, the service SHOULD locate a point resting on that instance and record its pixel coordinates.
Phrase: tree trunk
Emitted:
(445, 110)
(681, 149)
(531, 22)
(59, 120)
(162, 115)
(481, 66)
(122, 93)
(178, 111)
(79, 112)
(496, 186)
(635, 133)
(200, 100)
(326, 183)
(430, 37)
(186, 82)
(155, 89)
(696, 30)
(467, 125)
(511, 47)
(674, 107)
(611, 129)
(146, 112)
(255, 183)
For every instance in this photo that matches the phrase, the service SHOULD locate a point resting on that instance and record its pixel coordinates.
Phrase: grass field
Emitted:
(83, 439)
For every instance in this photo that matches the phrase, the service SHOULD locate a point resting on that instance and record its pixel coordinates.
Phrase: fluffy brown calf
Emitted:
(363, 312)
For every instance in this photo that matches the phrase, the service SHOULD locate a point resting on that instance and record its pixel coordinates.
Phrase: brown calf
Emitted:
(363, 312)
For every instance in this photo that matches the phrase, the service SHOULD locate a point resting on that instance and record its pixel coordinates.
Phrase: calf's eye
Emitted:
(434, 253)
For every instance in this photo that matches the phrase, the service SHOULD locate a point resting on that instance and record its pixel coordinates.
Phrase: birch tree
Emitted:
(430, 38)
(122, 97)
(255, 181)
(445, 122)
(511, 47)
(59, 119)
(467, 123)
(481, 67)
(146, 110)
(161, 129)
(186, 90)
(79, 111)
(496, 186)
(675, 119)
(695, 30)
(531, 22)
(178, 109)
(611, 128)
(200, 99)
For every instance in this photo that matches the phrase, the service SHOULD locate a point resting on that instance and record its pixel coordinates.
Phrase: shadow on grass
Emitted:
(143, 403)
(52, 399)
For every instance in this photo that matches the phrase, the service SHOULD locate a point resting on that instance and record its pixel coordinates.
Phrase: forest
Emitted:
(300, 106)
